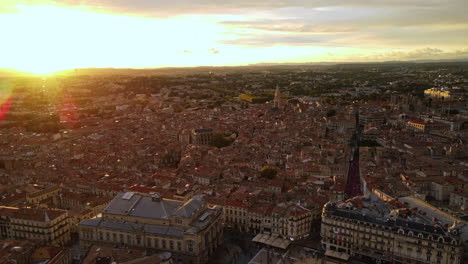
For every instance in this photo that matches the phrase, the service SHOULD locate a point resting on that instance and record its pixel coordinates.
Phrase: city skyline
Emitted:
(47, 36)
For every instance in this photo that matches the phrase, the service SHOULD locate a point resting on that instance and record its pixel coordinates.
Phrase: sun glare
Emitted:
(43, 36)
(45, 39)
(39, 70)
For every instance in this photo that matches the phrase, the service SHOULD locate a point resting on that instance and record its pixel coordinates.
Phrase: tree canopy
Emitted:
(268, 172)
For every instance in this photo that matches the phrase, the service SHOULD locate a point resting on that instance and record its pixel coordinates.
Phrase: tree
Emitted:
(453, 111)
(220, 141)
(268, 172)
(331, 112)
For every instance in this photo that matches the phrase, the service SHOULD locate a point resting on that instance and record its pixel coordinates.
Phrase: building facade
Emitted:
(43, 195)
(374, 231)
(438, 93)
(289, 221)
(427, 125)
(202, 136)
(190, 229)
(459, 200)
(51, 226)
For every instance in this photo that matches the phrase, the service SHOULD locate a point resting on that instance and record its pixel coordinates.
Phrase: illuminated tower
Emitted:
(277, 97)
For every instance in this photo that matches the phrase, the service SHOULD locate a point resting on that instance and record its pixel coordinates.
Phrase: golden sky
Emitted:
(42, 36)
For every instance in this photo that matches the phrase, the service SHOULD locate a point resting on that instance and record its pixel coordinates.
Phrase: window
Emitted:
(156, 242)
(179, 246)
(190, 246)
(163, 243)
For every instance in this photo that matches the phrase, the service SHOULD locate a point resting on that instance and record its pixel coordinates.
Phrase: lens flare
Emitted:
(67, 111)
(6, 99)
(5, 108)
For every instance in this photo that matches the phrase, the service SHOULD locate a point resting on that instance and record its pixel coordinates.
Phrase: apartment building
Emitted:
(427, 125)
(371, 117)
(371, 230)
(459, 200)
(291, 221)
(43, 195)
(51, 226)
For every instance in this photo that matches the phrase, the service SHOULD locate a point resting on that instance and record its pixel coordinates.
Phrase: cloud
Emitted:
(359, 23)
(351, 18)
(413, 37)
(424, 53)
(272, 39)
(427, 53)
(250, 22)
(213, 51)
(373, 29)
(297, 25)
(169, 7)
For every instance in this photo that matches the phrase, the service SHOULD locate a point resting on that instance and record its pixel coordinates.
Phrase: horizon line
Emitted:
(321, 63)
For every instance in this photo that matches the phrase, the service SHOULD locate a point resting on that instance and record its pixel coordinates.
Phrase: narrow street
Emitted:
(353, 182)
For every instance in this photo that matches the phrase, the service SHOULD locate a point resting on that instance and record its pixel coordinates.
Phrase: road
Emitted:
(353, 182)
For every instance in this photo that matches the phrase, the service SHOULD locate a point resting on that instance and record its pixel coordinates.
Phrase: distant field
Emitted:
(254, 99)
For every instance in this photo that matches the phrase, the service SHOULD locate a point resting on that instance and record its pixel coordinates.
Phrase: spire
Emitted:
(277, 97)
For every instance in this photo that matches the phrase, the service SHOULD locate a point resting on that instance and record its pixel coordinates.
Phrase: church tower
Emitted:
(277, 97)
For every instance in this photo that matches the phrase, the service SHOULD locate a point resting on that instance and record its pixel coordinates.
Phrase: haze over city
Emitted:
(42, 36)
(233, 132)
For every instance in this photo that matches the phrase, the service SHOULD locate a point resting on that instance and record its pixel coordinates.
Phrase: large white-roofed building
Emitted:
(190, 229)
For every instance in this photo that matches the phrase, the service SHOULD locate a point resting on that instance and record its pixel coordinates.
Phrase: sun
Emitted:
(43, 39)
(39, 70)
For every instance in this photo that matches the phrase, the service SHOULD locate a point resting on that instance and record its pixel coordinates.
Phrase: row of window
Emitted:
(153, 242)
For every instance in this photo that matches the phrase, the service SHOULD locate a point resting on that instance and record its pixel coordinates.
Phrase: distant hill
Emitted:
(10, 73)
(357, 62)
(5, 73)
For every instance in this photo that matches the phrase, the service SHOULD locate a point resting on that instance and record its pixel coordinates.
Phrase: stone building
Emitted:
(427, 125)
(374, 231)
(202, 136)
(43, 195)
(51, 226)
(191, 230)
(290, 221)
